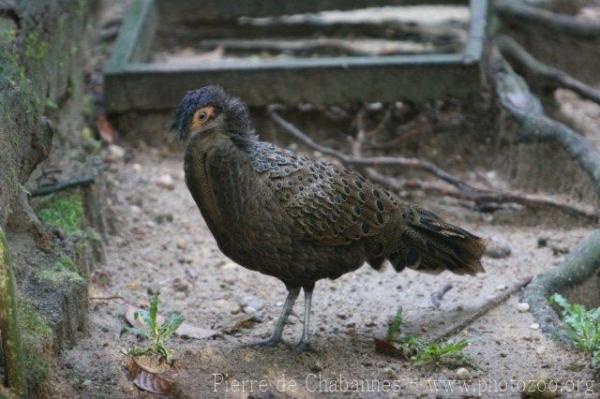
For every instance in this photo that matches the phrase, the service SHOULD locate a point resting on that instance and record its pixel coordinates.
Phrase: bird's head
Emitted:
(210, 109)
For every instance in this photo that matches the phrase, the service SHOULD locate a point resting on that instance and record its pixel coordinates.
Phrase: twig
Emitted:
(550, 76)
(398, 161)
(65, 185)
(463, 190)
(519, 12)
(491, 304)
(438, 296)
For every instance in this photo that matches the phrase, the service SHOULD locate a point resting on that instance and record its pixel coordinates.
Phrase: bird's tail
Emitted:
(430, 245)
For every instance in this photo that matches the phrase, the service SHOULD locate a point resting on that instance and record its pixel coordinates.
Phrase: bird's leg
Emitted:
(304, 343)
(278, 330)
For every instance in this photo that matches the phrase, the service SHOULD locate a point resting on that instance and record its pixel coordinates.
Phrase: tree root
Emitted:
(542, 74)
(485, 199)
(521, 12)
(584, 260)
(581, 264)
(536, 126)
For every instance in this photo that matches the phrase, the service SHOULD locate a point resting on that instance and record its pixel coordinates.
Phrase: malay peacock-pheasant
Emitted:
(301, 219)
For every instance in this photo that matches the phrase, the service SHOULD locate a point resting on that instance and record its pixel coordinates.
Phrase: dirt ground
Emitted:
(163, 245)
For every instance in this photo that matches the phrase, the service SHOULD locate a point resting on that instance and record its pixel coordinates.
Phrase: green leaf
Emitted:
(170, 325)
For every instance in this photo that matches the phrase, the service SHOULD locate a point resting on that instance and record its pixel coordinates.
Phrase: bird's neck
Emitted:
(211, 165)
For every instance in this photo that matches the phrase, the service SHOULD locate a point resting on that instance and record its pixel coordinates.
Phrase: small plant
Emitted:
(583, 326)
(395, 328)
(154, 331)
(427, 354)
(435, 355)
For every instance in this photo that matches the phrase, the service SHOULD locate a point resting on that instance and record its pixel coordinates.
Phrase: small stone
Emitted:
(540, 350)
(523, 307)
(180, 285)
(137, 167)
(463, 374)
(542, 241)
(135, 209)
(114, 153)
(166, 182)
(497, 249)
(251, 302)
(501, 287)
(534, 326)
(87, 383)
(181, 244)
(228, 306)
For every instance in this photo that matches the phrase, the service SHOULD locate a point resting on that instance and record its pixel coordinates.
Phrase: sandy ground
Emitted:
(163, 245)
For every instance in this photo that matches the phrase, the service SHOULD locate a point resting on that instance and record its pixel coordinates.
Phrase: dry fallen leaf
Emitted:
(185, 330)
(105, 129)
(152, 374)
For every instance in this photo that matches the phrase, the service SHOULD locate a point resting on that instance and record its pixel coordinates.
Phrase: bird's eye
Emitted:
(203, 116)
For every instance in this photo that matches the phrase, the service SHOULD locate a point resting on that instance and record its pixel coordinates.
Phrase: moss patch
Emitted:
(63, 269)
(63, 211)
(36, 336)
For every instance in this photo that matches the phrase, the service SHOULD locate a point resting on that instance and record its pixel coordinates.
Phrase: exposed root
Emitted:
(484, 199)
(541, 74)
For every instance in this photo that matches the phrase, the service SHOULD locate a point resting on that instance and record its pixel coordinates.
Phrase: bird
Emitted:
(298, 218)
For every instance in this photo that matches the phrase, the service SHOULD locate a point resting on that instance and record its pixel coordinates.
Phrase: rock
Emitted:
(181, 244)
(534, 326)
(501, 287)
(166, 181)
(137, 167)
(523, 307)
(497, 249)
(542, 241)
(251, 304)
(114, 153)
(463, 374)
(540, 350)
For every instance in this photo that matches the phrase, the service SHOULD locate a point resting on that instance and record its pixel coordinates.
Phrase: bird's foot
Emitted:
(267, 343)
(303, 346)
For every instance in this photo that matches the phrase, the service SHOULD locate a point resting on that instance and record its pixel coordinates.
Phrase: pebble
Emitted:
(251, 304)
(228, 306)
(463, 374)
(534, 326)
(540, 350)
(135, 209)
(498, 249)
(137, 167)
(501, 287)
(114, 153)
(166, 182)
(181, 244)
(523, 307)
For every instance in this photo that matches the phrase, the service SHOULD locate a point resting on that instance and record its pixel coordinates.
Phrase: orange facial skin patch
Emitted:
(197, 121)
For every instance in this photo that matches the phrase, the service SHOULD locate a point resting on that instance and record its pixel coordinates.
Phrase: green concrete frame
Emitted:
(134, 85)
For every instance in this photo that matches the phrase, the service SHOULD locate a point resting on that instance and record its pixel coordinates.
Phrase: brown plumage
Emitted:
(300, 219)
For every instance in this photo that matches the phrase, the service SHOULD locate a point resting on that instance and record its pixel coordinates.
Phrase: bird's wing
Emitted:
(323, 202)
